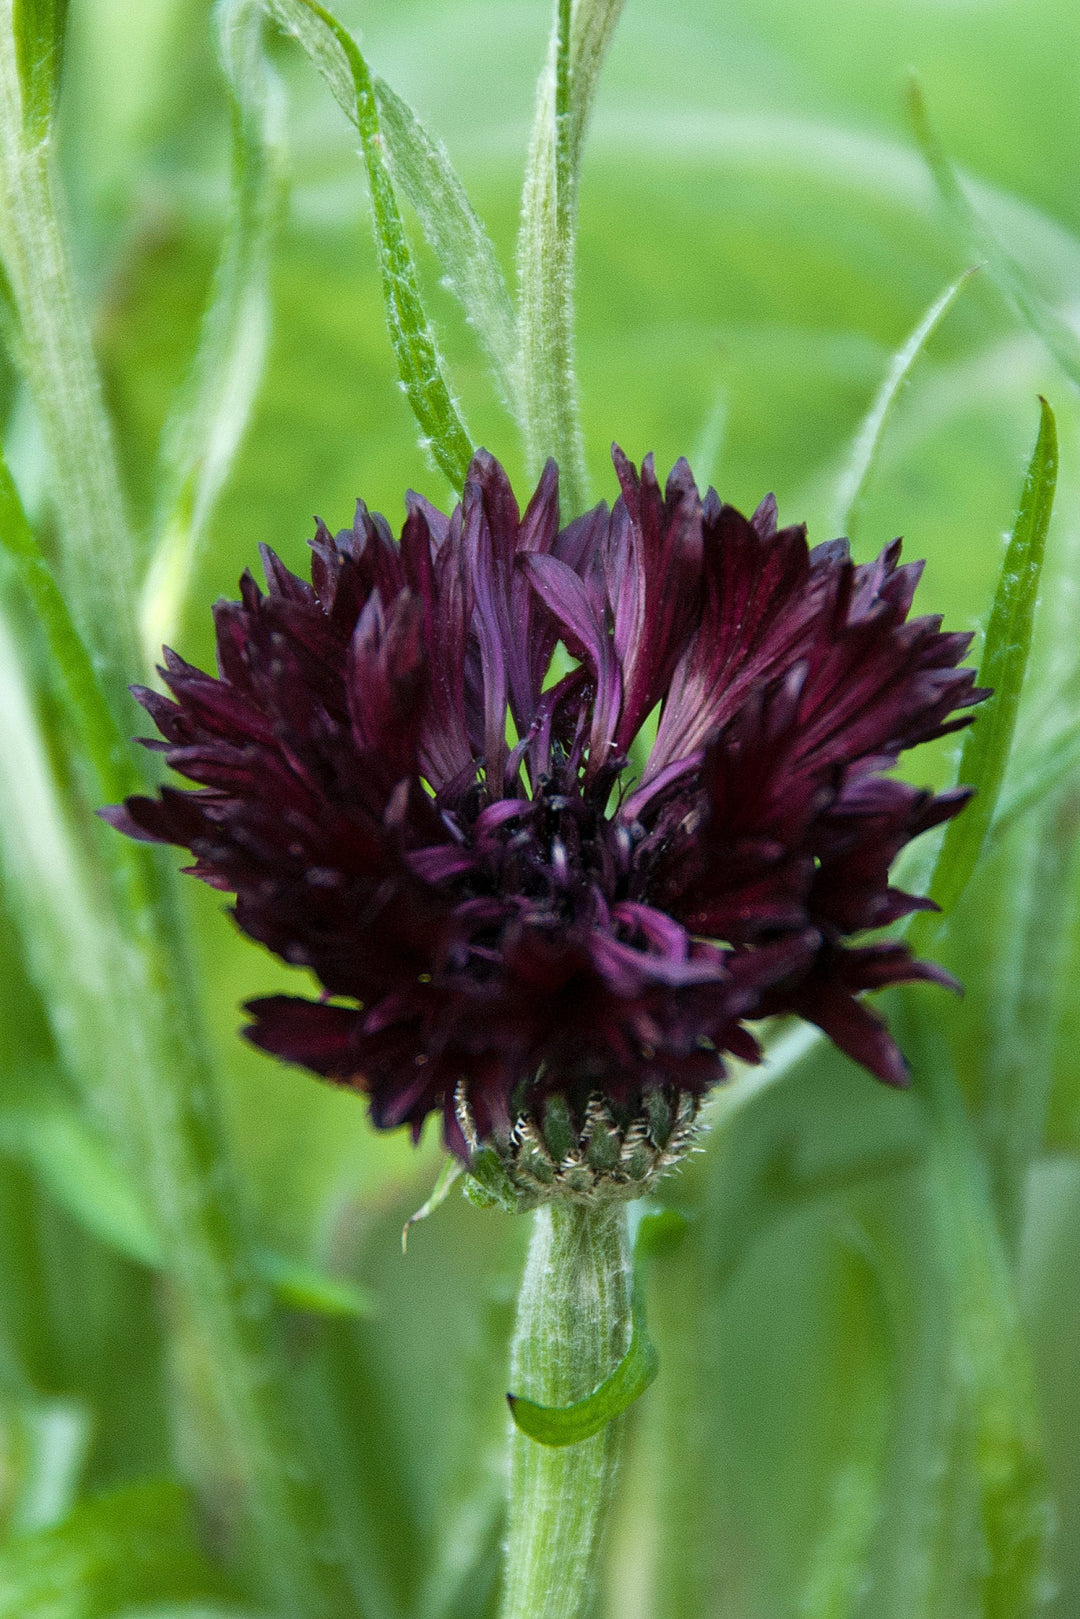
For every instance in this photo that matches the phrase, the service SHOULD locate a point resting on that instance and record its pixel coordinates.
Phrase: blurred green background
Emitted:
(758, 235)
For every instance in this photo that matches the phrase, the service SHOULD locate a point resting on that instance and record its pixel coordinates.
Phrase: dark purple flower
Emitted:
(499, 908)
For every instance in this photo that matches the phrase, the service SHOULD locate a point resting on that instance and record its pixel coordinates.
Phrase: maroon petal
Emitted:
(311, 1033)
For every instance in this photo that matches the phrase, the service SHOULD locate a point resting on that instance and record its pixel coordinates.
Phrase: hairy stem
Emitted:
(546, 253)
(573, 1327)
(56, 357)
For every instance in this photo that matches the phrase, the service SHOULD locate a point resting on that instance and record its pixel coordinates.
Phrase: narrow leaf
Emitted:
(853, 481)
(999, 1430)
(55, 351)
(38, 26)
(204, 432)
(569, 1424)
(546, 249)
(132, 1545)
(1012, 279)
(452, 1169)
(1052, 766)
(45, 1446)
(1004, 662)
(455, 234)
(336, 54)
(71, 1159)
(839, 1572)
(657, 1233)
(107, 752)
(593, 28)
(303, 1287)
(73, 1162)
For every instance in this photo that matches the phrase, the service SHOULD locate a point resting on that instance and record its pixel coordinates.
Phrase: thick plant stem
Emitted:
(573, 1327)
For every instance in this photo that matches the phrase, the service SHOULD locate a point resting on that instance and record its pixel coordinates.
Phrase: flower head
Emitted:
(499, 907)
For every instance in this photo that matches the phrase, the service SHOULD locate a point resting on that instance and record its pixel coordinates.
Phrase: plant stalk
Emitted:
(55, 354)
(573, 1327)
(546, 259)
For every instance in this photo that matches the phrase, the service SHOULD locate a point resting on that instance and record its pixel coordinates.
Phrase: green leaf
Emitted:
(452, 1169)
(570, 1424)
(55, 352)
(72, 1160)
(189, 1610)
(1013, 280)
(838, 1571)
(134, 1544)
(39, 26)
(1008, 641)
(853, 482)
(455, 233)
(107, 752)
(336, 54)
(303, 1287)
(205, 429)
(1051, 767)
(44, 1447)
(997, 1427)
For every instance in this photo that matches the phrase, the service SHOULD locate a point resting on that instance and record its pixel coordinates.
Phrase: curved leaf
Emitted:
(570, 1424)
(866, 448)
(204, 431)
(1013, 280)
(336, 54)
(1004, 663)
(106, 752)
(455, 234)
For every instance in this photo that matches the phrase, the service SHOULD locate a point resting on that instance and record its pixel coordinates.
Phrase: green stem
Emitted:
(573, 1328)
(546, 251)
(56, 356)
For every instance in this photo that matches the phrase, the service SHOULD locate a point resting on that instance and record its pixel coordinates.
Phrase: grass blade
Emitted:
(207, 424)
(979, 240)
(852, 485)
(336, 54)
(1008, 641)
(46, 1446)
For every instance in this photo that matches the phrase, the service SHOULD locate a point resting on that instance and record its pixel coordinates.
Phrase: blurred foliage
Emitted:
(758, 236)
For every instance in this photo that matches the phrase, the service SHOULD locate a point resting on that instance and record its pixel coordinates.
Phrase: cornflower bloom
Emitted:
(512, 924)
